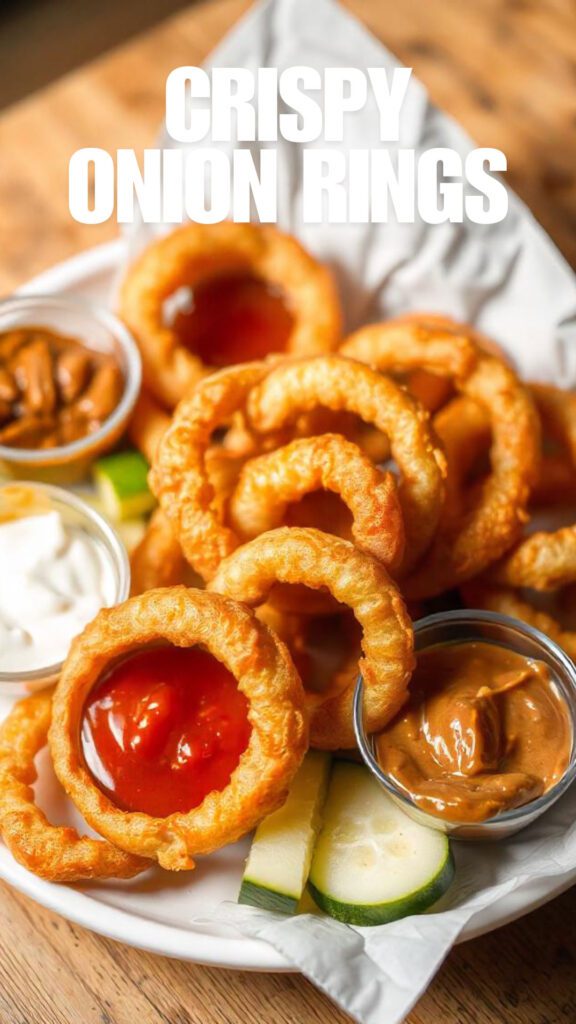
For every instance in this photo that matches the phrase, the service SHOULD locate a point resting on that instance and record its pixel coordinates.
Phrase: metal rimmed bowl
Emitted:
(75, 512)
(97, 329)
(464, 626)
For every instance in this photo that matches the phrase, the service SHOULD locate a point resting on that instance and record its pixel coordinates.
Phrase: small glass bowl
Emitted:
(74, 512)
(98, 329)
(463, 626)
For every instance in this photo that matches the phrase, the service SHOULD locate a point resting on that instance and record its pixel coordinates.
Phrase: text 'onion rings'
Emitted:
(265, 674)
(305, 556)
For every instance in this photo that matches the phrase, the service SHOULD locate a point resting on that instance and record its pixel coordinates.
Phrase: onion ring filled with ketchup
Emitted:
(178, 724)
(212, 295)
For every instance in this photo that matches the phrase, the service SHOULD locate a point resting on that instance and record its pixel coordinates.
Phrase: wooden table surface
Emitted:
(506, 69)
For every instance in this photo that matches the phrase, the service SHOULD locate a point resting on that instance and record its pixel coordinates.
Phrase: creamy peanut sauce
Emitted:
(484, 730)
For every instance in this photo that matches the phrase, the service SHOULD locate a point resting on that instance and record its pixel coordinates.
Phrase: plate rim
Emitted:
(234, 953)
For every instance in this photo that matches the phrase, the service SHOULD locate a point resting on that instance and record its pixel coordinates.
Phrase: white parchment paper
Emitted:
(513, 284)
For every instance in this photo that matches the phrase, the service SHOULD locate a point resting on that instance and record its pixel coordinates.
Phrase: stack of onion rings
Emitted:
(270, 487)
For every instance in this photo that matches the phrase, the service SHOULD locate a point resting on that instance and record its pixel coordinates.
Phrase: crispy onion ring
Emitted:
(547, 560)
(463, 427)
(495, 521)
(148, 424)
(53, 852)
(180, 477)
(429, 388)
(265, 674)
(556, 482)
(506, 601)
(342, 384)
(354, 578)
(157, 561)
(193, 479)
(197, 251)
(268, 484)
(544, 561)
(401, 346)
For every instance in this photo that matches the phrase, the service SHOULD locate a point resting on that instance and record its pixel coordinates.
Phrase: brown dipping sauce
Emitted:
(233, 318)
(53, 389)
(484, 730)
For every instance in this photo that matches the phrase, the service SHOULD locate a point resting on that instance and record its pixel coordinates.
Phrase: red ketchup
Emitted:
(233, 318)
(163, 729)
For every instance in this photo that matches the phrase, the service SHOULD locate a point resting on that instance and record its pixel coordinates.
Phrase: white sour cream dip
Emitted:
(54, 578)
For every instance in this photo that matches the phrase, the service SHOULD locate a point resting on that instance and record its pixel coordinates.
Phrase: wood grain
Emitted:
(506, 69)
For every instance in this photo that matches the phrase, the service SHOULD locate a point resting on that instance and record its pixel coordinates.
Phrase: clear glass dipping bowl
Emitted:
(98, 329)
(463, 626)
(74, 512)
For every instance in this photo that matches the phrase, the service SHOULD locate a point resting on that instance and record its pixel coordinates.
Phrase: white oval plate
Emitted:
(155, 912)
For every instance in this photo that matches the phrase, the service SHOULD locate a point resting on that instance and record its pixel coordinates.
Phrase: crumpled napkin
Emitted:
(513, 284)
(378, 974)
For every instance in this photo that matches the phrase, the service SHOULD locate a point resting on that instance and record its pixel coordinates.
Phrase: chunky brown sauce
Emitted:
(233, 318)
(485, 730)
(53, 389)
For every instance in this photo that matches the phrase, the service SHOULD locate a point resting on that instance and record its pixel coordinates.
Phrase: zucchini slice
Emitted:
(122, 483)
(372, 863)
(279, 861)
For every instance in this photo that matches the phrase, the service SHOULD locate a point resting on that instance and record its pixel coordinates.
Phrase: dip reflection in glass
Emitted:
(485, 730)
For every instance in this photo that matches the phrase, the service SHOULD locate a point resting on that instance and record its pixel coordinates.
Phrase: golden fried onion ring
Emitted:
(265, 674)
(53, 852)
(180, 476)
(197, 251)
(343, 384)
(507, 601)
(488, 530)
(463, 427)
(547, 560)
(269, 483)
(306, 556)
(544, 561)
(157, 561)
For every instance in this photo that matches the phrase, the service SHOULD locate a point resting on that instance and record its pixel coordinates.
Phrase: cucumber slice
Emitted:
(122, 482)
(372, 863)
(279, 861)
